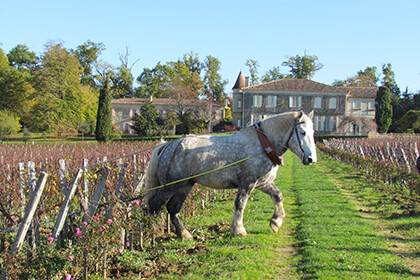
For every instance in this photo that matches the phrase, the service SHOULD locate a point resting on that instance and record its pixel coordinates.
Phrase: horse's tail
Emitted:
(151, 178)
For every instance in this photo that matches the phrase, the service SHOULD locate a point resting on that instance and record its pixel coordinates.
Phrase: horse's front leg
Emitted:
(237, 226)
(174, 206)
(277, 198)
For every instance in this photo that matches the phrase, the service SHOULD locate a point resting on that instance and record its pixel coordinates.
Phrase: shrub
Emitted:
(9, 123)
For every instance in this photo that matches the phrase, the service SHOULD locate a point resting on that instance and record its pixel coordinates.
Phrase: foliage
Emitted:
(9, 123)
(410, 122)
(21, 58)
(365, 78)
(59, 93)
(147, 122)
(253, 65)
(213, 83)
(273, 75)
(88, 55)
(104, 117)
(383, 113)
(15, 90)
(303, 67)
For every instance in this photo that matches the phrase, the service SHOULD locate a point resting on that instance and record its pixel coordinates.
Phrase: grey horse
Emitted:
(257, 167)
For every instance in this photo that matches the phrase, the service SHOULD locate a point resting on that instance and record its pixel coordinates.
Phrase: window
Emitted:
(271, 101)
(333, 103)
(238, 123)
(256, 118)
(257, 101)
(295, 101)
(357, 105)
(319, 123)
(331, 124)
(239, 104)
(371, 105)
(317, 103)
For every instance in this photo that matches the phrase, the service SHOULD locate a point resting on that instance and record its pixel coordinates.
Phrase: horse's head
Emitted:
(301, 141)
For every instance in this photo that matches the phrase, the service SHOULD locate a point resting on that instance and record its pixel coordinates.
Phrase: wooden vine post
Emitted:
(29, 214)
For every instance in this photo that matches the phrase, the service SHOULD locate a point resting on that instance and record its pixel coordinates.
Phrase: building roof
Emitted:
(161, 101)
(303, 85)
(240, 82)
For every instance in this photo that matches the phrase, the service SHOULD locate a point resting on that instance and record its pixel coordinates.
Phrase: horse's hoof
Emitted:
(185, 235)
(239, 232)
(275, 225)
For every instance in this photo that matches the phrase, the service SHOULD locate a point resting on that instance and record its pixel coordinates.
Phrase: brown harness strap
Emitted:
(268, 147)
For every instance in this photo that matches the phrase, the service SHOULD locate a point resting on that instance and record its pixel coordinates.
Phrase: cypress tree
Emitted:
(383, 115)
(104, 117)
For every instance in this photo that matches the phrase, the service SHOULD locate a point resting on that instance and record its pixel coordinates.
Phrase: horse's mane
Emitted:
(279, 125)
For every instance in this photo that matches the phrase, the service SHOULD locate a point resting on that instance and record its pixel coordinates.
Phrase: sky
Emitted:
(346, 35)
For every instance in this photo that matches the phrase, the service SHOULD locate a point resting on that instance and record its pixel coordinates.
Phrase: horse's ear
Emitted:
(300, 115)
(311, 115)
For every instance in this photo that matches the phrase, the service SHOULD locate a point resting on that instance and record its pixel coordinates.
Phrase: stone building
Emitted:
(337, 110)
(124, 109)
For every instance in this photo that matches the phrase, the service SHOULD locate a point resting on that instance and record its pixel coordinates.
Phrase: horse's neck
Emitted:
(278, 135)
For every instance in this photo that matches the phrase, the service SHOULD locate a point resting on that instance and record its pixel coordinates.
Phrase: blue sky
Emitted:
(347, 36)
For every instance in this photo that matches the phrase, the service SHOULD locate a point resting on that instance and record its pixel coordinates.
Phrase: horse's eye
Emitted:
(303, 132)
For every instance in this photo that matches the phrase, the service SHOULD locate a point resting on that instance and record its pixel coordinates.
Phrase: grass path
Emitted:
(335, 229)
(337, 241)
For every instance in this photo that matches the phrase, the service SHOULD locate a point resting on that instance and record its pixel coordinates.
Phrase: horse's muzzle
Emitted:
(308, 161)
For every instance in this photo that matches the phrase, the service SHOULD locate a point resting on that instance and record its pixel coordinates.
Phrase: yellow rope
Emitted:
(198, 175)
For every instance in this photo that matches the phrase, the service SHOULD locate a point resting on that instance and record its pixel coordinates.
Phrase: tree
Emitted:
(213, 83)
(104, 116)
(21, 58)
(410, 122)
(303, 67)
(88, 55)
(147, 122)
(253, 70)
(365, 78)
(59, 94)
(388, 80)
(273, 75)
(152, 80)
(383, 114)
(15, 90)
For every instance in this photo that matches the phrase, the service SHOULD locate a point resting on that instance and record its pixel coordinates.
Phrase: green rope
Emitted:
(198, 175)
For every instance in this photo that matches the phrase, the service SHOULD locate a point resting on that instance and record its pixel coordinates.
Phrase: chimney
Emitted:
(247, 82)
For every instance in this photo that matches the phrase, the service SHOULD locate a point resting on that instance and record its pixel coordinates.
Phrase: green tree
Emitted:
(59, 95)
(21, 58)
(9, 123)
(104, 117)
(152, 81)
(383, 114)
(363, 78)
(88, 55)
(273, 75)
(253, 70)
(15, 90)
(388, 80)
(213, 84)
(147, 122)
(303, 67)
(410, 122)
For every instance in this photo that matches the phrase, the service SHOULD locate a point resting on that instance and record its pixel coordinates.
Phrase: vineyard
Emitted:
(392, 160)
(103, 214)
(96, 188)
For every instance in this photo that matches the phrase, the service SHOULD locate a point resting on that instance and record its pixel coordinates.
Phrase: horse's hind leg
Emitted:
(237, 226)
(277, 198)
(174, 206)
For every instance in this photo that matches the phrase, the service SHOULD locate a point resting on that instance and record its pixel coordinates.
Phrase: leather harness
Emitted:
(269, 149)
